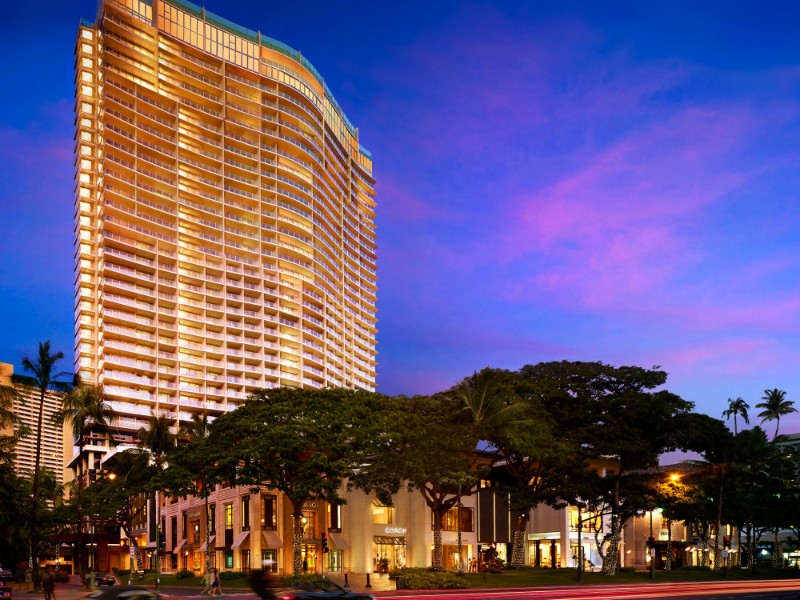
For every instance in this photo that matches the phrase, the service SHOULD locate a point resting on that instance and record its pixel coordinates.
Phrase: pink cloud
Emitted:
(619, 226)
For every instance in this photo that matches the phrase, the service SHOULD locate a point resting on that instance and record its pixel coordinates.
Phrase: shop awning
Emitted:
(239, 539)
(178, 546)
(272, 539)
(203, 548)
(338, 541)
(385, 539)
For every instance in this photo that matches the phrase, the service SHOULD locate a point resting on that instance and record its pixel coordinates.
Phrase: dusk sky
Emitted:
(612, 181)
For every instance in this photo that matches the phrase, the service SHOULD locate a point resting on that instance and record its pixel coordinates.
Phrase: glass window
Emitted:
(229, 516)
(450, 519)
(270, 555)
(335, 517)
(269, 512)
(381, 514)
(245, 512)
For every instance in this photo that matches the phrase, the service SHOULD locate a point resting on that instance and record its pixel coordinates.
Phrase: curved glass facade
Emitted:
(225, 237)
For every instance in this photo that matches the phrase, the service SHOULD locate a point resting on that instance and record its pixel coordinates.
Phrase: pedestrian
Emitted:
(207, 579)
(49, 583)
(215, 586)
(305, 566)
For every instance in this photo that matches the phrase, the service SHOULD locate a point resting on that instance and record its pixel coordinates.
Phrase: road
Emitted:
(745, 590)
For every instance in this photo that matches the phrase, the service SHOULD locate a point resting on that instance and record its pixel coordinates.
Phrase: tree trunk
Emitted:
(518, 551)
(297, 542)
(33, 565)
(611, 556)
(718, 532)
(668, 563)
(438, 563)
(777, 560)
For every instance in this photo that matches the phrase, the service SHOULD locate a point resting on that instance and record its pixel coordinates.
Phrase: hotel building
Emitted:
(56, 441)
(224, 217)
(224, 221)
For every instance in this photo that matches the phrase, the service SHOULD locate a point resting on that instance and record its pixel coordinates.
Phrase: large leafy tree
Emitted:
(619, 412)
(509, 412)
(737, 407)
(122, 501)
(430, 450)
(41, 376)
(732, 464)
(190, 468)
(775, 406)
(304, 443)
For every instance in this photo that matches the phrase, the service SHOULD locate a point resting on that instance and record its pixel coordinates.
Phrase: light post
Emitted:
(580, 546)
(93, 556)
(651, 542)
(460, 548)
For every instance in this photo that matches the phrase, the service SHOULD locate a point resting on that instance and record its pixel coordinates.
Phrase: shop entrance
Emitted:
(388, 553)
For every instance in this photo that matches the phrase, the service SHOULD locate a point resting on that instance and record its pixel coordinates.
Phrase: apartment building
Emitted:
(55, 440)
(224, 217)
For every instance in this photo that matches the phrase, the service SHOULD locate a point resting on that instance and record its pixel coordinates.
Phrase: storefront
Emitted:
(389, 552)
(544, 550)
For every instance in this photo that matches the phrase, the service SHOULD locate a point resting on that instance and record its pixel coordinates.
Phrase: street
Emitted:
(761, 590)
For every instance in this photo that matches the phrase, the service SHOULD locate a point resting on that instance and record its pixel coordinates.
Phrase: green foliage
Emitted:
(297, 580)
(427, 579)
(184, 574)
(232, 575)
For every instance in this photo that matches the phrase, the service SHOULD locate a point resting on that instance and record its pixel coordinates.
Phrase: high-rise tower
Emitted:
(224, 217)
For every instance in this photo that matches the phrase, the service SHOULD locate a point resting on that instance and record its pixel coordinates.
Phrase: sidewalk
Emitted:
(357, 582)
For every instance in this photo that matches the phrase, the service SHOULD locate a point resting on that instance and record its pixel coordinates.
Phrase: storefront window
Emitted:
(388, 553)
(228, 559)
(335, 561)
(269, 560)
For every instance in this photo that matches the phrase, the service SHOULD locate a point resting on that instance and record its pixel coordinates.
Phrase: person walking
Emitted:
(215, 585)
(207, 579)
(49, 583)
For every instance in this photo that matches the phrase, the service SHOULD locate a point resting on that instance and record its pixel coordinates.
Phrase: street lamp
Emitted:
(651, 542)
(93, 477)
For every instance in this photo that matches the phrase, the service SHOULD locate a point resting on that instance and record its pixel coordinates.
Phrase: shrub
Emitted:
(296, 581)
(184, 574)
(231, 575)
(426, 579)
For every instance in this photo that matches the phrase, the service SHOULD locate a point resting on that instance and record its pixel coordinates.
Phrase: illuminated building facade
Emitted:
(224, 217)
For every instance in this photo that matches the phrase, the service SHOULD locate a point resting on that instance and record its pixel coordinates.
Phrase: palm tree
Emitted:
(158, 440)
(197, 430)
(86, 410)
(775, 406)
(8, 394)
(737, 407)
(42, 379)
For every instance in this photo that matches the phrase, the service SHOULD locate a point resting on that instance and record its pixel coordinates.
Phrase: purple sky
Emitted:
(556, 180)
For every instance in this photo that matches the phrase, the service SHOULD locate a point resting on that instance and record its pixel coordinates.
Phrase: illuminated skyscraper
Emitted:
(225, 237)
